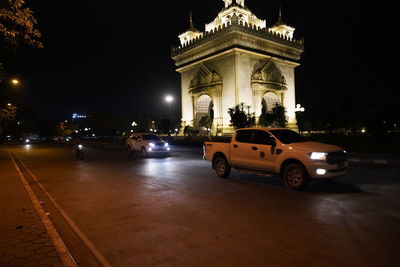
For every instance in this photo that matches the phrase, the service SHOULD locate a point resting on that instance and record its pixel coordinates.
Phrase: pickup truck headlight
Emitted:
(318, 155)
(151, 145)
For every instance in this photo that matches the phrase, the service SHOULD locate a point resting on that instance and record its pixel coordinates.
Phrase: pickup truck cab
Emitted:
(276, 151)
(146, 144)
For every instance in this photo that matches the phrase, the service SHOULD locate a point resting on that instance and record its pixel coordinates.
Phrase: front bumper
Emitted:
(155, 150)
(323, 170)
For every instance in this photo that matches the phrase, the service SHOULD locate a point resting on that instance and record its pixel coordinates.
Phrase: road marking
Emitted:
(374, 161)
(62, 251)
(97, 254)
(379, 161)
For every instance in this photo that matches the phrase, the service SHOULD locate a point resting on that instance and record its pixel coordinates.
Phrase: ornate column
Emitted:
(218, 116)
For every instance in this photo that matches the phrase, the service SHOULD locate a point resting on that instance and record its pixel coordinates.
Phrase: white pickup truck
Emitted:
(276, 152)
(147, 144)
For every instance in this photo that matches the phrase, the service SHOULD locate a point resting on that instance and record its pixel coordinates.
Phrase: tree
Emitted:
(66, 128)
(279, 113)
(206, 122)
(17, 26)
(7, 114)
(276, 118)
(266, 119)
(239, 117)
(187, 131)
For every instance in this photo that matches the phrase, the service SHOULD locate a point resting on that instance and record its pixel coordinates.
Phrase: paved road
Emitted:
(174, 211)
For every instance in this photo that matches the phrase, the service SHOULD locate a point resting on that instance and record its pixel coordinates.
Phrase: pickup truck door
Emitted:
(241, 153)
(264, 147)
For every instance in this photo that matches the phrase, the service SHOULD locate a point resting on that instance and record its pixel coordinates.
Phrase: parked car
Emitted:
(276, 151)
(146, 144)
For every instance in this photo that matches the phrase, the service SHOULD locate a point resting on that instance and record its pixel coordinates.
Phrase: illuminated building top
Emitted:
(243, 13)
(236, 26)
(281, 28)
(190, 34)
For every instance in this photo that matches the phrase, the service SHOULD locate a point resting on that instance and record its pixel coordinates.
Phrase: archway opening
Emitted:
(204, 107)
(270, 99)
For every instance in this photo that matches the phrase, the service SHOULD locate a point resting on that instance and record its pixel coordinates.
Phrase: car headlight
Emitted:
(166, 144)
(151, 145)
(318, 155)
(80, 146)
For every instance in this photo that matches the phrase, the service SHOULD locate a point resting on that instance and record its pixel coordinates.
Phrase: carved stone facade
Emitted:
(233, 63)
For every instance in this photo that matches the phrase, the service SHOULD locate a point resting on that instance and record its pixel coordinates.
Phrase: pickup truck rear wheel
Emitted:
(222, 167)
(295, 176)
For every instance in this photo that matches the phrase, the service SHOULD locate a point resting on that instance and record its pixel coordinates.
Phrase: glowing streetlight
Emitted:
(169, 99)
(299, 108)
(15, 82)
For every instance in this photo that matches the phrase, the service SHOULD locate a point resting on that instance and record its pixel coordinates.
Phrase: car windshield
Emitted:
(151, 137)
(288, 136)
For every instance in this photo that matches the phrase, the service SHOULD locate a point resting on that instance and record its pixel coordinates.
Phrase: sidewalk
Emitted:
(24, 240)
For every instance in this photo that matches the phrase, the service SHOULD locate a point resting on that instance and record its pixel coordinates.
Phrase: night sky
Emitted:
(114, 56)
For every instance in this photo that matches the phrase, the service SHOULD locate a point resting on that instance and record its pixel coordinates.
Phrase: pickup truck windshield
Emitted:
(288, 136)
(151, 137)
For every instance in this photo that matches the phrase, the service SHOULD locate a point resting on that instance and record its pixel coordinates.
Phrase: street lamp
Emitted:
(169, 99)
(299, 108)
(15, 82)
(300, 122)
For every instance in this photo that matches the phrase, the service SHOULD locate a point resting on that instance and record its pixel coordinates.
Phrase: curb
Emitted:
(62, 251)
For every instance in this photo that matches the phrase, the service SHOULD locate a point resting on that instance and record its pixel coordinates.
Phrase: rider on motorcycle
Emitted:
(78, 148)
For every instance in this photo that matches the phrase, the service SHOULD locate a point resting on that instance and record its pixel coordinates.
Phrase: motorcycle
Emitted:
(78, 151)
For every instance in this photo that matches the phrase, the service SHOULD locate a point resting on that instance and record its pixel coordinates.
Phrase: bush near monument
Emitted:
(240, 118)
(276, 118)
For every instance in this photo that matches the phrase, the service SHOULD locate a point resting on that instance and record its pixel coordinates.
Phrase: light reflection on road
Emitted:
(159, 168)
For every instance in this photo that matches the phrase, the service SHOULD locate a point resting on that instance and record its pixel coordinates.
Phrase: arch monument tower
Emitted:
(236, 59)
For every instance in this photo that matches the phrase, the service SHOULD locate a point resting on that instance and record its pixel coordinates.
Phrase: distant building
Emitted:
(236, 59)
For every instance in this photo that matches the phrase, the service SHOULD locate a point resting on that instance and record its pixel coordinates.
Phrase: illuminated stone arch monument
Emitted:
(236, 59)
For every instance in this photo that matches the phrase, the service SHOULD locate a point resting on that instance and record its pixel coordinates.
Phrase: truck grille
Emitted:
(336, 157)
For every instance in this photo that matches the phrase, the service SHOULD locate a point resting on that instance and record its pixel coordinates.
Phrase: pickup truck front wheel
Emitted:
(295, 176)
(222, 167)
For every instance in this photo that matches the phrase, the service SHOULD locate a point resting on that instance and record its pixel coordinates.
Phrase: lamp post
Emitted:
(8, 89)
(169, 99)
(300, 122)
